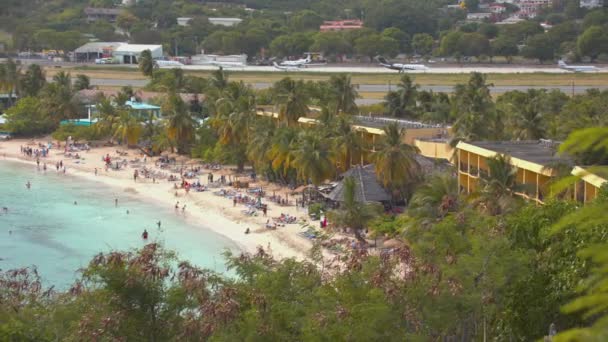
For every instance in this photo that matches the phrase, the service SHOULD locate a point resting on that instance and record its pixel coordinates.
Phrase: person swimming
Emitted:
(28, 185)
(158, 224)
(144, 235)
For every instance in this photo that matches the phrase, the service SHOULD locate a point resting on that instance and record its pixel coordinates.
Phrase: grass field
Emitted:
(5, 37)
(523, 79)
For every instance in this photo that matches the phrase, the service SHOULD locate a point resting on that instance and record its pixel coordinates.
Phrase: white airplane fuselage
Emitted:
(577, 68)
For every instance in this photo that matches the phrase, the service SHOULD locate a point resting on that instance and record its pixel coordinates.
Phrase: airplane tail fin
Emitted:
(382, 60)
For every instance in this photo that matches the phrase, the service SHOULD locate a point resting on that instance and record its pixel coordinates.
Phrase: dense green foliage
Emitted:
(513, 115)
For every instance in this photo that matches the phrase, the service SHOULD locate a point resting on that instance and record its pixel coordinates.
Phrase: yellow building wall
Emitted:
(435, 149)
(590, 192)
(412, 134)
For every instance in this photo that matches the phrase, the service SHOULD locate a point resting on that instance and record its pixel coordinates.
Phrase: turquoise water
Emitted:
(45, 228)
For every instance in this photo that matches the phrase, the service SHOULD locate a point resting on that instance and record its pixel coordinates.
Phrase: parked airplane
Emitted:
(287, 67)
(167, 64)
(311, 59)
(400, 67)
(577, 68)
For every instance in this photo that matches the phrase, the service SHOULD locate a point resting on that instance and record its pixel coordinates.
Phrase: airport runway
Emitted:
(380, 70)
(345, 68)
(372, 88)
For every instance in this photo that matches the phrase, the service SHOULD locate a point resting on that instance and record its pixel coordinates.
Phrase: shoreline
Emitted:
(204, 210)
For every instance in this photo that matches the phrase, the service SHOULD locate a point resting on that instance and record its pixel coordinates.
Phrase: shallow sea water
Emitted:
(44, 227)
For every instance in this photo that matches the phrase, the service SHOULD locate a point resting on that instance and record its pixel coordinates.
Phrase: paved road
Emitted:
(371, 88)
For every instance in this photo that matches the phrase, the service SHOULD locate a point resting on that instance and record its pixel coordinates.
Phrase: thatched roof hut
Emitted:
(368, 188)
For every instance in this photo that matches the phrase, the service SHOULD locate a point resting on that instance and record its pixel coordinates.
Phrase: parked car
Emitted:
(105, 61)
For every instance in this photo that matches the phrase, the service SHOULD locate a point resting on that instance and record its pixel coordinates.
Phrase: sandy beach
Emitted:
(204, 209)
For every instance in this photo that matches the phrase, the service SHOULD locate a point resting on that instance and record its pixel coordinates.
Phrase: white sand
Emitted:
(203, 208)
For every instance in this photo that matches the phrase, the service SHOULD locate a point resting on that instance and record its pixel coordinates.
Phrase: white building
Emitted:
(497, 8)
(183, 21)
(478, 16)
(204, 59)
(511, 20)
(129, 53)
(225, 21)
(530, 8)
(591, 3)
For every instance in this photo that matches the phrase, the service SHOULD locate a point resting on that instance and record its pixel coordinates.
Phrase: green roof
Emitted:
(141, 106)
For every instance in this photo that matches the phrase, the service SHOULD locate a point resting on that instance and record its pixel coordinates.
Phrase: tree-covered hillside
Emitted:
(289, 28)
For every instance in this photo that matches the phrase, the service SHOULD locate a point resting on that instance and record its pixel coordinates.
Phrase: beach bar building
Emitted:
(368, 188)
(142, 110)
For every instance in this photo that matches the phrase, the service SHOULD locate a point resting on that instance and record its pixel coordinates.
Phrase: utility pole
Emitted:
(572, 88)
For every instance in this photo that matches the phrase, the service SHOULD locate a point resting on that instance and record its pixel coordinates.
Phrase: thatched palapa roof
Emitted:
(368, 188)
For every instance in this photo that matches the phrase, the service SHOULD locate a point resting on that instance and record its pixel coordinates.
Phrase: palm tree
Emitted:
(125, 94)
(281, 151)
(352, 214)
(180, 124)
(82, 82)
(312, 157)
(395, 162)
(473, 109)
(59, 99)
(436, 197)
(260, 143)
(402, 102)
(146, 63)
(498, 185)
(63, 79)
(346, 143)
(529, 119)
(219, 79)
(408, 92)
(10, 76)
(128, 129)
(343, 94)
(234, 113)
(32, 81)
(108, 115)
(292, 98)
(162, 142)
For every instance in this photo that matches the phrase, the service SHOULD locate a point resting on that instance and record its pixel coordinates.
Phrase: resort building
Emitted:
(371, 129)
(436, 148)
(534, 160)
(588, 186)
